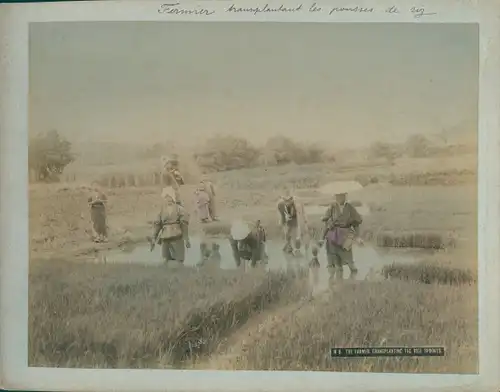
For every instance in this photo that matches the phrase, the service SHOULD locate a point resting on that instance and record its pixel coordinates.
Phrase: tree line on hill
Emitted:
(50, 153)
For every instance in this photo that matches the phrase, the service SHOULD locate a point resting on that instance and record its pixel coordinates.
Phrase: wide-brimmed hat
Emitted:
(340, 187)
(240, 230)
(169, 192)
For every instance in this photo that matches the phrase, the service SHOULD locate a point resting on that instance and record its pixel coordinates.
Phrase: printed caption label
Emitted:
(387, 352)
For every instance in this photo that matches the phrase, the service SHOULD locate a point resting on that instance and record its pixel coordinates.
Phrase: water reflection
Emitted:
(368, 259)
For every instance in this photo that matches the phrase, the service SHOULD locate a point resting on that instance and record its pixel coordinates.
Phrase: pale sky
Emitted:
(348, 84)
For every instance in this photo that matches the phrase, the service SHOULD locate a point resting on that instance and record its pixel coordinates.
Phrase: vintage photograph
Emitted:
(248, 196)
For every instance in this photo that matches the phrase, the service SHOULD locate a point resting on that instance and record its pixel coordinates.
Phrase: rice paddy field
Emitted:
(94, 315)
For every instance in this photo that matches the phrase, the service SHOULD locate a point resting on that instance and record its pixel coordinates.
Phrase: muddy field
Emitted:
(86, 313)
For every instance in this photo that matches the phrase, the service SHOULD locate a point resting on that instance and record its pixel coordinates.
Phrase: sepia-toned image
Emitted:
(253, 196)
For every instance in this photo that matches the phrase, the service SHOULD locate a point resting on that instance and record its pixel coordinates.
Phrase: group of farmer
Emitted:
(341, 223)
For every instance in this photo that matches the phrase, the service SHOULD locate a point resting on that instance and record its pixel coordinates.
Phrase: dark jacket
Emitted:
(348, 218)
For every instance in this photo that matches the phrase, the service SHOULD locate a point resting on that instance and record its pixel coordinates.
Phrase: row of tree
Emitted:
(222, 153)
(49, 153)
(416, 146)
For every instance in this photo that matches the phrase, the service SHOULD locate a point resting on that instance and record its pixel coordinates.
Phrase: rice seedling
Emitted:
(138, 316)
(429, 273)
(371, 314)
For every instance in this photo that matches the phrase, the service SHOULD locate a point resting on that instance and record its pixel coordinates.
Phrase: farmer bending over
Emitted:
(248, 243)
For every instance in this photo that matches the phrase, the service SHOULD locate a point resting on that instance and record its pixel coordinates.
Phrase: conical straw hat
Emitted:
(239, 230)
(340, 187)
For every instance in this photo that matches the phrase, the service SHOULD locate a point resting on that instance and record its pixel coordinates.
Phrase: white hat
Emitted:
(169, 192)
(340, 187)
(239, 230)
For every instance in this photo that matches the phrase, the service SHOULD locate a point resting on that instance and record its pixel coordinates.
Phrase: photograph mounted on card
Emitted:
(257, 192)
(255, 134)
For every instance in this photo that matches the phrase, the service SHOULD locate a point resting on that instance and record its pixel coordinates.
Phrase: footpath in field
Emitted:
(234, 346)
(356, 314)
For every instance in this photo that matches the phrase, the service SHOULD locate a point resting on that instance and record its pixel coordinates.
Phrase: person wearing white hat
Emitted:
(248, 243)
(342, 222)
(171, 228)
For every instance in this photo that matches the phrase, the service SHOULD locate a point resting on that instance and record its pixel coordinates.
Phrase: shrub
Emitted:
(284, 150)
(387, 151)
(48, 156)
(222, 153)
(417, 146)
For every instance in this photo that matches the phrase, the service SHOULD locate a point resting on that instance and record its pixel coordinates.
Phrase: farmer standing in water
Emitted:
(342, 222)
(292, 217)
(171, 228)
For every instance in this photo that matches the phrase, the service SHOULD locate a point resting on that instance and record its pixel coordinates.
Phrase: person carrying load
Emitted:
(170, 229)
(171, 176)
(342, 222)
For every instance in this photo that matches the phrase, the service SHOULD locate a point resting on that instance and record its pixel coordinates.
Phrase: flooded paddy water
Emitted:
(369, 259)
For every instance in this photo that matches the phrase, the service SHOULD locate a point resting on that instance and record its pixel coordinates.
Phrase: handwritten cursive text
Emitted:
(418, 12)
(266, 8)
(351, 9)
(173, 9)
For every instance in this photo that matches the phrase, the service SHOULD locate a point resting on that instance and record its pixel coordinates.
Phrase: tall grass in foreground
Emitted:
(430, 273)
(366, 314)
(132, 316)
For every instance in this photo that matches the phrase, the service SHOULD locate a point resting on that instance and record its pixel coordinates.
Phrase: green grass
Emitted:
(132, 316)
(366, 314)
